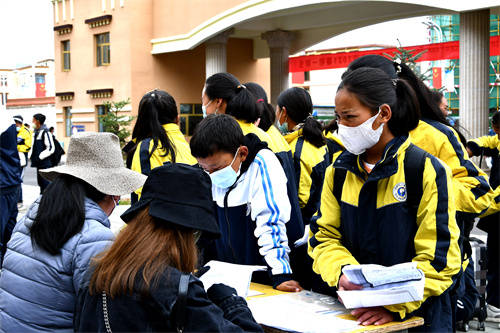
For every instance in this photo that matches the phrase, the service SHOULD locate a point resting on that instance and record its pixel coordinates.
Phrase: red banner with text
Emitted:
(436, 51)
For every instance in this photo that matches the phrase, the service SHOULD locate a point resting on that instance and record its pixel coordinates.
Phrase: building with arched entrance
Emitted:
(119, 49)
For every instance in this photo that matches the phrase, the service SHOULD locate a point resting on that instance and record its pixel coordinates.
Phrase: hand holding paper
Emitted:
(381, 285)
(233, 275)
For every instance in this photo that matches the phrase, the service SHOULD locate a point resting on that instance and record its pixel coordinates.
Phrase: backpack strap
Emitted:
(296, 160)
(338, 183)
(181, 302)
(414, 164)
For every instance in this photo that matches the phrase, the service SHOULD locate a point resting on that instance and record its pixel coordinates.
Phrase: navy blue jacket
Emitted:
(10, 169)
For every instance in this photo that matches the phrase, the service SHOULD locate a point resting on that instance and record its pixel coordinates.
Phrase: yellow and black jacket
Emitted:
(489, 145)
(310, 163)
(145, 159)
(372, 224)
(333, 143)
(473, 194)
(24, 140)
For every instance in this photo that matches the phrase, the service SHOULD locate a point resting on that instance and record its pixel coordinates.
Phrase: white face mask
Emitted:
(225, 177)
(360, 138)
(204, 109)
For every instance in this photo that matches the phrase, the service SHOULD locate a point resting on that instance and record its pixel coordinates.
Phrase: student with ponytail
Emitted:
(434, 135)
(157, 135)
(305, 137)
(310, 160)
(224, 94)
(373, 213)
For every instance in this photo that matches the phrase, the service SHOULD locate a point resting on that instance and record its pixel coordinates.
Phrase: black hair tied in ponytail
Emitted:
(242, 106)
(298, 104)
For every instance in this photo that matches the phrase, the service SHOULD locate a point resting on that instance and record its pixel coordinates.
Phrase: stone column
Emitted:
(279, 45)
(215, 53)
(474, 61)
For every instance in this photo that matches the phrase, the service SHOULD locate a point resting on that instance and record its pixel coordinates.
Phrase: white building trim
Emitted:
(254, 9)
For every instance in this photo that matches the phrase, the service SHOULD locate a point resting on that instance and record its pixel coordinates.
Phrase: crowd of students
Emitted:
(389, 181)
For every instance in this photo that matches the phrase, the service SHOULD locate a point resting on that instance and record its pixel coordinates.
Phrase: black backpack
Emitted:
(55, 158)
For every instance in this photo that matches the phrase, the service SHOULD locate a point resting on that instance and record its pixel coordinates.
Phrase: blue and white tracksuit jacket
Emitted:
(252, 217)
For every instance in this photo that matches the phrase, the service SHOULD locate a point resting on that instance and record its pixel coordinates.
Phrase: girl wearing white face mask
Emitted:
(385, 201)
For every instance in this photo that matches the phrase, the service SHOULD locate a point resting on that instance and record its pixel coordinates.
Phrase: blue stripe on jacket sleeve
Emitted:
(442, 218)
(269, 194)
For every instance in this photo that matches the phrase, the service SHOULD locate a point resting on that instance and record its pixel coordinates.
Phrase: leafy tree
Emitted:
(409, 58)
(114, 123)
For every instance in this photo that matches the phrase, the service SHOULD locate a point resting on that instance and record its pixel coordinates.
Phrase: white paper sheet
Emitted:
(301, 312)
(233, 275)
(393, 285)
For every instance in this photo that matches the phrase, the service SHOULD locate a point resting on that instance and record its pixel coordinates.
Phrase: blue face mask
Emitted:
(225, 177)
(283, 128)
(204, 109)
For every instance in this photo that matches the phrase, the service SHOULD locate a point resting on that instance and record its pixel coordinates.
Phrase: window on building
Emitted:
(307, 76)
(66, 55)
(102, 49)
(67, 120)
(3, 81)
(191, 115)
(1, 99)
(101, 111)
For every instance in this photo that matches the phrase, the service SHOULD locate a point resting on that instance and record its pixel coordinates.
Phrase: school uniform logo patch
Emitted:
(399, 192)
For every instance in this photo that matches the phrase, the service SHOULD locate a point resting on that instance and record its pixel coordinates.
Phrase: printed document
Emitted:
(304, 311)
(383, 285)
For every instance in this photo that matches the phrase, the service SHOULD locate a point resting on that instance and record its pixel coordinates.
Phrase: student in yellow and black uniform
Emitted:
(310, 160)
(371, 214)
(24, 142)
(305, 137)
(223, 94)
(473, 194)
(433, 134)
(490, 146)
(158, 136)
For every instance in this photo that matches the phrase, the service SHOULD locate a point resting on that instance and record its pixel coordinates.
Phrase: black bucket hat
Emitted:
(178, 194)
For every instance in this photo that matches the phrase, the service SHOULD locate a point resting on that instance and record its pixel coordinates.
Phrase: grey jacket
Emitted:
(38, 290)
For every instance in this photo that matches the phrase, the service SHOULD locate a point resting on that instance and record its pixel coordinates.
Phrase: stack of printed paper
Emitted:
(383, 285)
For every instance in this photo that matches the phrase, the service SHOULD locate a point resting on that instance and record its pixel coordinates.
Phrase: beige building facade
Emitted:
(86, 77)
(112, 50)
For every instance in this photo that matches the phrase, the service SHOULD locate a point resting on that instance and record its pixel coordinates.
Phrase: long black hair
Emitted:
(156, 108)
(61, 213)
(373, 87)
(428, 108)
(299, 107)
(266, 110)
(240, 102)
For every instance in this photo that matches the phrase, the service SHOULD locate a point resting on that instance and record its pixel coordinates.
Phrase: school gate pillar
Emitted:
(279, 45)
(474, 62)
(215, 53)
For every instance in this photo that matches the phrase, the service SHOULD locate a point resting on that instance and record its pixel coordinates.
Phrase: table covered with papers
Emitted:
(307, 311)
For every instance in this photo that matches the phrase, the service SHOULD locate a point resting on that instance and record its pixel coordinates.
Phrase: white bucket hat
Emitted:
(96, 158)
